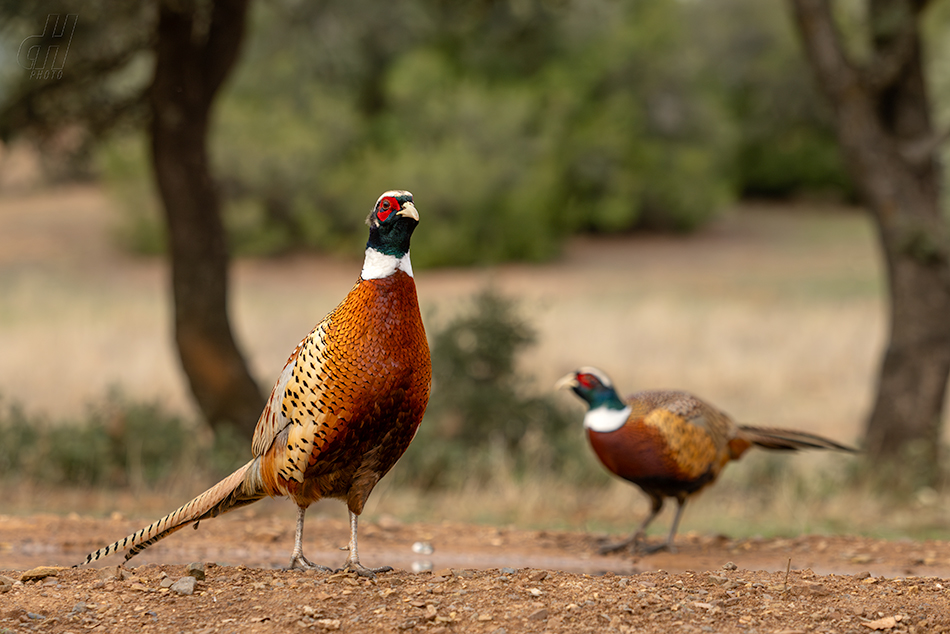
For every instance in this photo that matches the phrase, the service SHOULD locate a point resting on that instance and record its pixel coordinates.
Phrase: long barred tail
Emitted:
(238, 489)
(788, 439)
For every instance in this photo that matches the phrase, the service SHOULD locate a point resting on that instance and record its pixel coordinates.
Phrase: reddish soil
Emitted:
(482, 579)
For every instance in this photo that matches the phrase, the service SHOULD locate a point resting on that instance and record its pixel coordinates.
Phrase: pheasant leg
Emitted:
(657, 505)
(353, 559)
(297, 560)
(668, 544)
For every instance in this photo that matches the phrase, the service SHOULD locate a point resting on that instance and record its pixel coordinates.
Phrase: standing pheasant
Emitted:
(670, 444)
(346, 405)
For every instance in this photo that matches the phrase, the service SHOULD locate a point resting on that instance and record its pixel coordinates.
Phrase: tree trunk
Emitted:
(883, 123)
(197, 46)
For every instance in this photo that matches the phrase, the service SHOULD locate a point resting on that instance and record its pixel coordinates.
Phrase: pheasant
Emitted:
(669, 443)
(345, 406)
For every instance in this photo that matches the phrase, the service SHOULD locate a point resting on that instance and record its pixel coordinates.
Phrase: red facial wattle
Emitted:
(586, 381)
(386, 207)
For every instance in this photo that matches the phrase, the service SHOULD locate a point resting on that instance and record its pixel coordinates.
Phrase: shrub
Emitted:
(117, 443)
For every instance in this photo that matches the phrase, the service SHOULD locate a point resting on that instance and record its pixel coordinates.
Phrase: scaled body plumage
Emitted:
(669, 443)
(346, 404)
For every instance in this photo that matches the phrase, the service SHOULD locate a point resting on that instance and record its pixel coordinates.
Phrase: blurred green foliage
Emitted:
(786, 143)
(514, 123)
(483, 422)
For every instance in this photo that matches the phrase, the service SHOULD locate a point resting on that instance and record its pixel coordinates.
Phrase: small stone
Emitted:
(421, 566)
(508, 571)
(80, 607)
(196, 569)
(6, 584)
(538, 615)
(445, 572)
(185, 585)
(538, 575)
(110, 573)
(330, 625)
(166, 582)
(40, 573)
(861, 576)
(729, 566)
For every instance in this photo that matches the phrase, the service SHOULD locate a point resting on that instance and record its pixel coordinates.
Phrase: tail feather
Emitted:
(788, 439)
(238, 489)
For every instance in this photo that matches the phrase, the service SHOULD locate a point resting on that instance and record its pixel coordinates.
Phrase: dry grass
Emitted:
(774, 314)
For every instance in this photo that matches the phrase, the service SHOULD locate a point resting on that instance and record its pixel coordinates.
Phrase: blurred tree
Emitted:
(103, 84)
(196, 47)
(885, 128)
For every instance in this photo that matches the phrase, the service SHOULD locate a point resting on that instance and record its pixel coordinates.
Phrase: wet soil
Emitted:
(465, 578)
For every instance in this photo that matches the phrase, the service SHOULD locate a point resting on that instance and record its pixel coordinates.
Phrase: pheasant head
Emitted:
(607, 411)
(391, 224)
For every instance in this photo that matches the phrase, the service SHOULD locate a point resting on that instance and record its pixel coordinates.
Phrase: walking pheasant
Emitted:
(668, 443)
(346, 405)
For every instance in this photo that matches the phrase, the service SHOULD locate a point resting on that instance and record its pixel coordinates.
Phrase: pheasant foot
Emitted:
(655, 548)
(299, 562)
(630, 543)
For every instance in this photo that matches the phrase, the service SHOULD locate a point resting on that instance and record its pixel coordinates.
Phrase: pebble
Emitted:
(328, 624)
(196, 569)
(166, 582)
(538, 615)
(729, 566)
(6, 584)
(40, 573)
(508, 571)
(112, 572)
(185, 585)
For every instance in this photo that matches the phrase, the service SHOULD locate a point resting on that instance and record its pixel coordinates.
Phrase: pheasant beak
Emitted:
(568, 381)
(408, 211)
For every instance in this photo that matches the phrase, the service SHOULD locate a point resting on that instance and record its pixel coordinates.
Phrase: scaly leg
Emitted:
(657, 505)
(297, 560)
(353, 559)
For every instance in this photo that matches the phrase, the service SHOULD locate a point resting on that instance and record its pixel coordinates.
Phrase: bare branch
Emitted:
(822, 43)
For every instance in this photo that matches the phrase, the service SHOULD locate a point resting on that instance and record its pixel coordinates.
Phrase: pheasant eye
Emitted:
(386, 207)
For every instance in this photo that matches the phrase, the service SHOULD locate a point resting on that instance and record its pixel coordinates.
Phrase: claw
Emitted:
(299, 562)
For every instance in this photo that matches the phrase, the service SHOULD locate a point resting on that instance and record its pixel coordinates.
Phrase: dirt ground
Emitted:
(475, 579)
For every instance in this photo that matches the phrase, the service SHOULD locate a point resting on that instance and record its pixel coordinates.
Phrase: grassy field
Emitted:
(773, 313)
